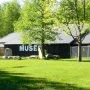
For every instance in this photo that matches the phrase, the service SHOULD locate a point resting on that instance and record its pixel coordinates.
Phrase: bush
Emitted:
(51, 56)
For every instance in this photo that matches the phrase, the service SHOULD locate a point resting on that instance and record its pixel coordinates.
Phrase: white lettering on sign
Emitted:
(21, 48)
(28, 48)
(35, 48)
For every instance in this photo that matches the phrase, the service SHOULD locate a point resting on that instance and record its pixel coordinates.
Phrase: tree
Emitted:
(1, 22)
(9, 14)
(36, 22)
(74, 14)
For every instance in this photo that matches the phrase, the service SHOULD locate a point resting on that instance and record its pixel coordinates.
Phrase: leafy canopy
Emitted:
(36, 21)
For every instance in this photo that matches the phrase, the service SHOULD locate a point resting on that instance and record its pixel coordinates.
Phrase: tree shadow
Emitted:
(12, 81)
(19, 67)
(85, 60)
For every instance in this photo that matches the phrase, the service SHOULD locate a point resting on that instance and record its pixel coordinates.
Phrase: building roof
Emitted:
(62, 38)
(12, 38)
(15, 38)
(86, 39)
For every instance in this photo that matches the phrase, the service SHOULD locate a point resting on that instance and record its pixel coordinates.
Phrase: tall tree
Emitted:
(37, 21)
(1, 21)
(9, 14)
(74, 14)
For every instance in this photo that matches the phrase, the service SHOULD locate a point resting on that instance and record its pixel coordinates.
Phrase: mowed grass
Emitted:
(44, 75)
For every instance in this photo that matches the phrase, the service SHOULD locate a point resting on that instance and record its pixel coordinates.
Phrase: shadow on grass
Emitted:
(85, 60)
(11, 81)
(72, 60)
(19, 67)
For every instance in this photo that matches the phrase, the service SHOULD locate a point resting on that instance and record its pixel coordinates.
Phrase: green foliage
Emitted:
(1, 22)
(36, 21)
(9, 14)
(75, 16)
(73, 10)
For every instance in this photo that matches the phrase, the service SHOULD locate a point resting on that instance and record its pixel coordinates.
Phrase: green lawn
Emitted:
(44, 75)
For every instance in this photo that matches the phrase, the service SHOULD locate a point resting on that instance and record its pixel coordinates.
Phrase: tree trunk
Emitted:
(42, 48)
(43, 51)
(84, 7)
(79, 53)
(43, 41)
(80, 50)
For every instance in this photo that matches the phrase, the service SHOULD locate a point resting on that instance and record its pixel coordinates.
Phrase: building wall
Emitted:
(23, 50)
(63, 50)
(1, 51)
(85, 51)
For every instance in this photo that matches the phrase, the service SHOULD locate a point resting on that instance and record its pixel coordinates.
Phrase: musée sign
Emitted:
(28, 48)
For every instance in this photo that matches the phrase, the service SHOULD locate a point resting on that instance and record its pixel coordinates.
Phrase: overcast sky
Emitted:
(3, 1)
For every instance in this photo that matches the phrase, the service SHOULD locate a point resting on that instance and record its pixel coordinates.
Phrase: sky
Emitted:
(3, 1)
